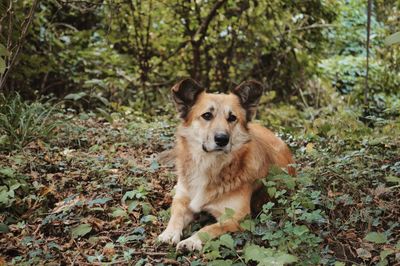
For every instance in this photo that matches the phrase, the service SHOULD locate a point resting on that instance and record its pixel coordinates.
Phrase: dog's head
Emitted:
(216, 122)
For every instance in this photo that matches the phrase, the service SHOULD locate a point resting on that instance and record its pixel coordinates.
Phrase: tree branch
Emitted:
(366, 89)
(202, 30)
(27, 23)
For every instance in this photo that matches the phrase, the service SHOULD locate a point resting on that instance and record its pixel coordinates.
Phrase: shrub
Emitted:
(22, 122)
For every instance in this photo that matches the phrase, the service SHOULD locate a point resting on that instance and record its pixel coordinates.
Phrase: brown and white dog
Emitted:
(219, 156)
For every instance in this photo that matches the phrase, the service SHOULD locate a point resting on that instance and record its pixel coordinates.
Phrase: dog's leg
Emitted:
(181, 216)
(213, 230)
(238, 201)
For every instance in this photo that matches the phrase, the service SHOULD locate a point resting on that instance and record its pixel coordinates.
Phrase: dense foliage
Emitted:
(84, 113)
(124, 51)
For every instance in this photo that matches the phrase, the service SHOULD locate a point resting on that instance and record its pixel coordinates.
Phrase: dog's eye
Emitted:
(207, 116)
(231, 118)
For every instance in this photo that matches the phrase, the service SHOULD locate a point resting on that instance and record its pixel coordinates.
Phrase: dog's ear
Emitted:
(184, 94)
(249, 93)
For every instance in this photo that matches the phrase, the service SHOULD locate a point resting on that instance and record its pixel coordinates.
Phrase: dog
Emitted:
(219, 156)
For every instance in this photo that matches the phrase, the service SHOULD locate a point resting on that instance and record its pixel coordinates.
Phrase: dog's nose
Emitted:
(221, 139)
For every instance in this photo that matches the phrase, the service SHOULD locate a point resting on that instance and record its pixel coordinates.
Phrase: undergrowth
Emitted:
(21, 122)
(95, 194)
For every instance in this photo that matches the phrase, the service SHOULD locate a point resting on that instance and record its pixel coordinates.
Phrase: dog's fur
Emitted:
(214, 177)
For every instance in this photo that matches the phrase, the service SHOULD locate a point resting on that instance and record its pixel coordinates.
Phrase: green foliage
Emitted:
(393, 39)
(377, 238)
(3, 54)
(81, 230)
(96, 194)
(22, 122)
(266, 256)
(133, 51)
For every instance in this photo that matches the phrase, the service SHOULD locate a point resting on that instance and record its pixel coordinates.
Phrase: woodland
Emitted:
(85, 112)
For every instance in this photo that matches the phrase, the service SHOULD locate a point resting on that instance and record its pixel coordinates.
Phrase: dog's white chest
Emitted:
(199, 174)
(197, 193)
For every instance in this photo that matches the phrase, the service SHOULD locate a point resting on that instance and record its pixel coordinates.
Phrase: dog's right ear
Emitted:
(249, 94)
(185, 93)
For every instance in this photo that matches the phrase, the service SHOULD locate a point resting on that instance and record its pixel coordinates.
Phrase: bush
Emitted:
(22, 122)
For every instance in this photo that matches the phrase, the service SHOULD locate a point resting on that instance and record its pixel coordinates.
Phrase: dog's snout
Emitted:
(221, 139)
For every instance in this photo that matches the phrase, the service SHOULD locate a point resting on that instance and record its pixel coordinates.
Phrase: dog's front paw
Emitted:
(169, 236)
(191, 244)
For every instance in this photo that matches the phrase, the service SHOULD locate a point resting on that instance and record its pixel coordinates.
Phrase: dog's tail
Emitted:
(167, 157)
(291, 170)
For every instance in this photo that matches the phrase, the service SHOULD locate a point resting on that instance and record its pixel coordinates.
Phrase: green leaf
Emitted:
(2, 66)
(204, 237)
(81, 230)
(271, 191)
(227, 215)
(214, 254)
(377, 238)
(105, 115)
(267, 256)
(3, 50)
(392, 39)
(98, 201)
(75, 96)
(393, 179)
(133, 205)
(227, 241)
(300, 230)
(9, 172)
(285, 258)
(248, 225)
(386, 252)
(148, 218)
(3, 228)
(256, 253)
(154, 165)
(220, 263)
(118, 212)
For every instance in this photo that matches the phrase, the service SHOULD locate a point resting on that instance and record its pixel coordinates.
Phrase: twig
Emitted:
(366, 89)
(202, 30)
(27, 23)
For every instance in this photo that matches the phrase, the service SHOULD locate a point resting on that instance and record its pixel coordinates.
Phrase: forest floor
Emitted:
(96, 194)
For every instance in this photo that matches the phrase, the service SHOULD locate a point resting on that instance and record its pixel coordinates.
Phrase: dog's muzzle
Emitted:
(221, 139)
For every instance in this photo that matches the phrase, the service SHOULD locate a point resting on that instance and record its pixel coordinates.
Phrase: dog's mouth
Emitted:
(216, 149)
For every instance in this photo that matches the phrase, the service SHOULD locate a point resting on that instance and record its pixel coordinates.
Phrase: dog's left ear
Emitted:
(185, 94)
(249, 93)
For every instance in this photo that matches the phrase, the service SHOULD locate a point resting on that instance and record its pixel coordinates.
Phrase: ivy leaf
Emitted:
(148, 219)
(377, 238)
(2, 66)
(256, 253)
(3, 50)
(204, 237)
(267, 256)
(118, 212)
(392, 39)
(8, 172)
(220, 263)
(248, 225)
(98, 201)
(227, 241)
(227, 215)
(271, 191)
(81, 230)
(154, 166)
(133, 205)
